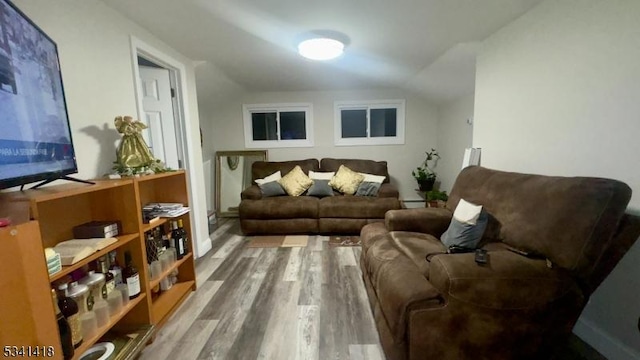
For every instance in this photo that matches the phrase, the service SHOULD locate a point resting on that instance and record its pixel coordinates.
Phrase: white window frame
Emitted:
(248, 109)
(398, 104)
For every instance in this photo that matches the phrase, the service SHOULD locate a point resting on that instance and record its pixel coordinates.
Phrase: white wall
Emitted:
(558, 92)
(454, 135)
(215, 92)
(95, 57)
(421, 131)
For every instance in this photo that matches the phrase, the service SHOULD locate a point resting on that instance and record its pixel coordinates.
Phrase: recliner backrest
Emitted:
(569, 220)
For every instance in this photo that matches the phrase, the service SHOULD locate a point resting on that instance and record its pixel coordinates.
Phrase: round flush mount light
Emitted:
(321, 48)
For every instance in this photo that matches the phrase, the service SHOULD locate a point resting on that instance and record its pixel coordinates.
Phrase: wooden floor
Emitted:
(272, 303)
(278, 303)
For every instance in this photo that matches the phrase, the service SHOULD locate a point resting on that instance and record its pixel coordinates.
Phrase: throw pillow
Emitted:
(273, 177)
(370, 185)
(320, 187)
(295, 182)
(272, 188)
(467, 226)
(346, 180)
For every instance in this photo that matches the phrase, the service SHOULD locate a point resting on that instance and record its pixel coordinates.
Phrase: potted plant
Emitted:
(424, 175)
(436, 198)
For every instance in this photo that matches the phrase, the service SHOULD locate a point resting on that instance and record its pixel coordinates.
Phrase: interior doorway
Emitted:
(170, 135)
(158, 87)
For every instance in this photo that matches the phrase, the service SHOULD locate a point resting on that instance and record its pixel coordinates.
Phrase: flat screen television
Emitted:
(35, 136)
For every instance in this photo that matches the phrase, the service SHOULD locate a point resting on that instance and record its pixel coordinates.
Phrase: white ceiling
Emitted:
(424, 45)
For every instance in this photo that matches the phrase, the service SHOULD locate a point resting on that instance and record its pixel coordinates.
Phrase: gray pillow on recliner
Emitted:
(467, 228)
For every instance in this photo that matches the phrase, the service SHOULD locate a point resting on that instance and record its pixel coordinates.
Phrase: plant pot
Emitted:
(426, 185)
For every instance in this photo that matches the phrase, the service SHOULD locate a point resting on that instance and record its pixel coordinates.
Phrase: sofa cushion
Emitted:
(273, 177)
(346, 180)
(320, 187)
(356, 207)
(280, 207)
(363, 166)
(467, 226)
(369, 185)
(567, 219)
(272, 188)
(260, 169)
(295, 182)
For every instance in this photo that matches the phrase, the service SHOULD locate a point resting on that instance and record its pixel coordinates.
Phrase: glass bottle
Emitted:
(115, 268)
(63, 328)
(185, 239)
(176, 238)
(131, 276)
(70, 310)
(110, 281)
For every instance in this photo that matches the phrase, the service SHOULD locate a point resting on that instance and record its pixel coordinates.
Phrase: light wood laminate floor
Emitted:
(280, 303)
(272, 303)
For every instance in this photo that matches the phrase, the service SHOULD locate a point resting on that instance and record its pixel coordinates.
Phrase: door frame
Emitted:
(177, 71)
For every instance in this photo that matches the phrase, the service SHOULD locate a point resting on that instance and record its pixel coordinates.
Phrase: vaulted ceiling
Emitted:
(424, 45)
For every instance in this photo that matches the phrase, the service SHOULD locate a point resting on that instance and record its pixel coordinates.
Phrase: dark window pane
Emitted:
(354, 123)
(292, 125)
(383, 122)
(264, 126)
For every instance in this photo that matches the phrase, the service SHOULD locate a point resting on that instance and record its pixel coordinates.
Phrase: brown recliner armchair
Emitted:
(515, 307)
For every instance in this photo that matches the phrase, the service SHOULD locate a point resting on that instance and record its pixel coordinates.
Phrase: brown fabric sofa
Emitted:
(515, 307)
(343, 214)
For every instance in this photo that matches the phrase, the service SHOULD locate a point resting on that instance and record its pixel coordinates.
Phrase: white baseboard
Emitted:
(604, 343)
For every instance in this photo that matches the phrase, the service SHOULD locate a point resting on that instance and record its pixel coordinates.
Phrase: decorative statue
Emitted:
(133, 154)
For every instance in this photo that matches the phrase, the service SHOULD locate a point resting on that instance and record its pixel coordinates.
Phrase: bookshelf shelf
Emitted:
(53, 212)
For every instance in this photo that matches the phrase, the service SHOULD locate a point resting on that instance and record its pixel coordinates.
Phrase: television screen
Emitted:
(35, 138)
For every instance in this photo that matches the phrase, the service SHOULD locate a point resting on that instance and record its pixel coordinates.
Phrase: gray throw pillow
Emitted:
(463, 234)
(320, 188)
(272, 188)
(368, 188)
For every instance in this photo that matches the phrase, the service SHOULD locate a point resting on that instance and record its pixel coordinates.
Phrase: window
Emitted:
(277, 125)
(379, 122)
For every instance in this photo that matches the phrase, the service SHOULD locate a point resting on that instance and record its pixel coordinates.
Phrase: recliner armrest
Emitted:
(433, 221)
(508, 281)
(251, 193)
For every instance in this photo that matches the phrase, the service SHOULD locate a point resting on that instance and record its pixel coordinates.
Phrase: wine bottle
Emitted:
(69, 309)
(63, 328)
(178, 242)
(131, 276)
(185, 239)
(110, 282)
(115, 268)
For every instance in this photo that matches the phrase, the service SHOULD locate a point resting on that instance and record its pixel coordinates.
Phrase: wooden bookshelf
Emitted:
(53, 212)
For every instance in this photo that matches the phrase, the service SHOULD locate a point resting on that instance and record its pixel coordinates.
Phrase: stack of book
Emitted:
(153, 211)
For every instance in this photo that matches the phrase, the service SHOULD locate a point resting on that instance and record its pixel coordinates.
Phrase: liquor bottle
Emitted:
(110, 281)
(69, 309)
(115, 268)
(176, 237)
(185, 238)
(131, 276)
(63, 328)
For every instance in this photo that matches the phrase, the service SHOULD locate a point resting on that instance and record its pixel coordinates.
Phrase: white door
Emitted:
(158, 115)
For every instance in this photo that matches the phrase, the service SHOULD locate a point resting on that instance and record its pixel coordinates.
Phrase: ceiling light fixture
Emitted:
(321, 48)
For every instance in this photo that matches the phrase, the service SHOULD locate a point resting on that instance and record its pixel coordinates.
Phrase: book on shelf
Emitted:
(74, 250)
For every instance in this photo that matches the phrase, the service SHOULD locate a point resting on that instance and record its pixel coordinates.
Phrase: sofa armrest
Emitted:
(433, 221)
(388, 190)
(508, 281)
(251, 193)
